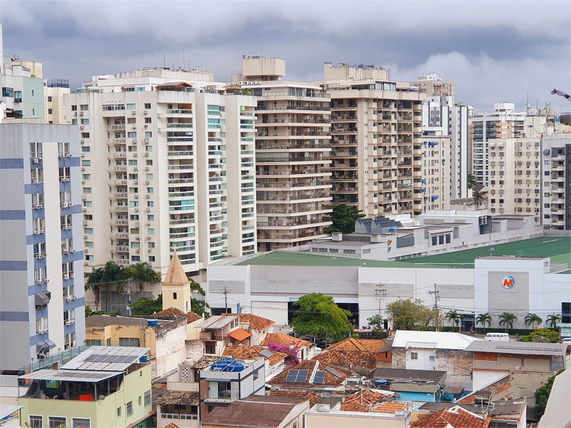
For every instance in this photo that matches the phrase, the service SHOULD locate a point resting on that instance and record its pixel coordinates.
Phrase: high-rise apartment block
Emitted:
(55, 90)
(376, 147)
(556, 182)
(167, 166)
(292, 163)
(41, 259)
(435, 180)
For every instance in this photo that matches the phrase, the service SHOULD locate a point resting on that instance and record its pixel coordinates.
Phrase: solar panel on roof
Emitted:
(291, 376)
(266, 353)
(302, 375)
(334, 372)
(319, 377)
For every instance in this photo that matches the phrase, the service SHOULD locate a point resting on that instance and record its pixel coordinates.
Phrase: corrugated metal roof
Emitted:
(520, 348)
(217, 322)
(69, 375)
(106, 358)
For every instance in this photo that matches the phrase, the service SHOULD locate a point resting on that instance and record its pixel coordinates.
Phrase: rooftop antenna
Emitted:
(183, 59)
(165, 60)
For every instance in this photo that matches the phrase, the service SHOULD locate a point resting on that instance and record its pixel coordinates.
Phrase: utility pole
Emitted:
(225, 300)
(380, 293)
(436, 299)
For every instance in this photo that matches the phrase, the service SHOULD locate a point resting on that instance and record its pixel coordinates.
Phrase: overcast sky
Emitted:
(499, 50)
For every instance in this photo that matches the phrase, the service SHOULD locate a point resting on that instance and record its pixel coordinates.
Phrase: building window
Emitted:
(148, 398)
(348, 251)
(118, 411)
(414, 355)
(219, 390)
(130, 408)
(36, 421)
(56, 421)
(129, 341)
(81, 423)
(93, 342)
(84, 107)
(140, 399)
(147, 106)
(131, 106)
(174, 296)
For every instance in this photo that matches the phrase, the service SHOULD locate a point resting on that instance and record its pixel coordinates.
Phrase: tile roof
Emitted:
(389, 407)
(364, 401)
(284, 340)
(345, 358)
(310, 365)
(216, 322)
(239, 334)
(251, 352)
(188, 398)
(206, 361)
(454, 417)
(352, 344)
(255, 321)
(253, 411)
(172, 425)
(175, 274)
(176, 312)
(313, 397)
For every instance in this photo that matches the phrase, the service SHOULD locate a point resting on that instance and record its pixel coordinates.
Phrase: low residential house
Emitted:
(165, 338)
(429, 350)
(257, 327)
(180, 407)
(102, 387)
(452, 417)
(305, 349)
(260, 411)
(10, 416)
(312, 376)
(353, 354)
(411, 385)
(229, 380)
(529, 364)
(192, 320)
(500, 414)
(361, 345)
(274, 361)
(367, 408)
(385, 355)
(216, 330)
(500, 389)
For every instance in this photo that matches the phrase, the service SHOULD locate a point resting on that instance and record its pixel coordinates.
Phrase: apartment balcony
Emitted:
(280, 224)
(284, 237)
(180, 154)
(122, 235)
(291, 145)
(119, 155)
(120, 168)
(179, 126)
(121, 209)
(122, 249)
(344, 107)
(339, 190)
(121, 222)
(173, 113)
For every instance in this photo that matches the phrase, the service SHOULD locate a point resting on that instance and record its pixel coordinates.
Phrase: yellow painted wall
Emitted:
(103, 413)
(145, 334)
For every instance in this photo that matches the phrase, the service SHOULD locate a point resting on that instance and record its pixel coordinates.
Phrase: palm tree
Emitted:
(454, 317)
(531, 319)
(478, 198)
(472, 181)
(507, 319)
(484, 319)
(553, 319)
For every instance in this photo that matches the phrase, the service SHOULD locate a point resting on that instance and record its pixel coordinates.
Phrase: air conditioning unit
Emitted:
(149, 237)
(83, 155)
(83, 168)
(136, 182)
(81, 113)
(147, 182)
(85, 222)
(148, 210)
(136, 210)
(135, 154)
(138, 237)
(38, 281)
(65, 179)
(85, 236)
(65, 276)
(136, 168)
(35, 160)
(138, 250)
(136, 196)
(81, 127)
(84, 209)
(150, 251)
(71, 275)
(148, 195)
(148, 223)
(145, 112)
(60, 155)
(75, 113)
(147, 154)
(69, 322)
(134, 126)
(85, 263)
(146, 168)
(146, 124)
(134, 112)
(82, 141)
(146, 141)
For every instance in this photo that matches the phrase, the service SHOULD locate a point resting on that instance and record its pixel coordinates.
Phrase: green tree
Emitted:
(146, 306)
(318, 315)
(454, 317)
(531, 319)
(553, 319)
(408, 314)
(507, 319)
(542, 395)
(478, 198)
(542, 335)
(472, 181)
(377, 323)
(484, 319)
(114, 276)
(344, 218)
(198, 306)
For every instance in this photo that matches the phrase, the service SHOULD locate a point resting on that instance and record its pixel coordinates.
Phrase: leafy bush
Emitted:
(542, 395)
(535, 336)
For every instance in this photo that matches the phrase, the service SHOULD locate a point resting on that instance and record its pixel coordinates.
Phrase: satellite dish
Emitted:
(492, 251)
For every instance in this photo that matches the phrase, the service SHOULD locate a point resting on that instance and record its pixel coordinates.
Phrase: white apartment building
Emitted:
(376, 146)
(556, 186)
(292, 162)
(436, 177)
(42, 305)
(55, 90)
(167, 166)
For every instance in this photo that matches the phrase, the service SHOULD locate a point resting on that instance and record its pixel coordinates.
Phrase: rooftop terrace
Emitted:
(558, 249)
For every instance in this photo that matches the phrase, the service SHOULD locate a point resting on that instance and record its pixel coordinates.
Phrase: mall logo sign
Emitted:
(508, 282)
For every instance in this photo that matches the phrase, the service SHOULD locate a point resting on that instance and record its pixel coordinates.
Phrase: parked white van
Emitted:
(498, 337)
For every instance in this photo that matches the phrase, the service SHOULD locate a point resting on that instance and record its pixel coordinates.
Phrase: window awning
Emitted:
(46, 345)
(43, 298)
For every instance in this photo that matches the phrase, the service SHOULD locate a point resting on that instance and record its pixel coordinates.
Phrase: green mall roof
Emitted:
(557, 248)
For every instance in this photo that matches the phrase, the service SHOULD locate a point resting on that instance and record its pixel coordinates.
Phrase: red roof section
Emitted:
(454, 417)
(330, 379)
(251, 352)
(255, 321)
(283, 339)
(176, 312)
(364, 401)
(352, 344)
(239, 334)
(342, 358)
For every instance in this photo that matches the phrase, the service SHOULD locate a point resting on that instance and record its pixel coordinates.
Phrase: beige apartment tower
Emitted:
(292, 164)
(376, 147)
